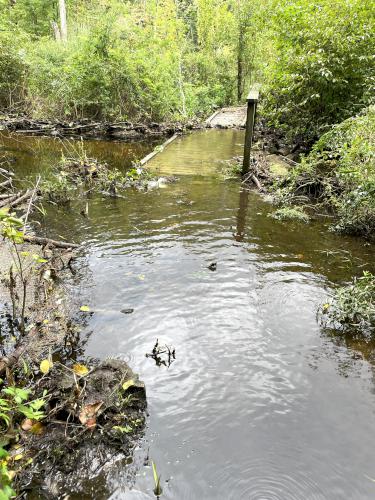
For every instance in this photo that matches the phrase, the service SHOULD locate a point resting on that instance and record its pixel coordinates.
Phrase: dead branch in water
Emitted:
(47, 241)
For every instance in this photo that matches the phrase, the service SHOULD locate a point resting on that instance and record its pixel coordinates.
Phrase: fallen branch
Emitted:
(10, 199)
(5, 183)
(19, 200)
(5, 196)
(30, 203)
(254, 179)
(47, 241)
(256, 182)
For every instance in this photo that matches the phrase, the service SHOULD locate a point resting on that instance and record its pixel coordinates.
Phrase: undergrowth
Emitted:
(77, 174)
(290, 213)
(352, 307)
(338, 174)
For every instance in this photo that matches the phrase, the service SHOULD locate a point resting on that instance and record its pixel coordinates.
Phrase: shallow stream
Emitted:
(260, 403)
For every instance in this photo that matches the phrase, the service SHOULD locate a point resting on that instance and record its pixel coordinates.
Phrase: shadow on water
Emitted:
(259, 402)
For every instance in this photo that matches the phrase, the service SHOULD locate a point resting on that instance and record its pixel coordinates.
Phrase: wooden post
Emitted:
(252, 101)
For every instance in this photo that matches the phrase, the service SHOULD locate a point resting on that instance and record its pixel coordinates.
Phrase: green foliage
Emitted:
(15, 404)
(10, 226)
(290, 213)
(323, 68)
(154, 60)
(12, 71)
(340, 174)
(6, 491)
(353, 305)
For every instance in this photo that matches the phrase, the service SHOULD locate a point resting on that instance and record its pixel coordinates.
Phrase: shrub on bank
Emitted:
(353, 306)
(323, 69)
(339, 173)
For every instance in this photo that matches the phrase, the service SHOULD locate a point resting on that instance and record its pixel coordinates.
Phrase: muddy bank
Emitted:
(63, 417)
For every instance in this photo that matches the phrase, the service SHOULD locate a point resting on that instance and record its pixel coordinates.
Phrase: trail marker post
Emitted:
(252, 101)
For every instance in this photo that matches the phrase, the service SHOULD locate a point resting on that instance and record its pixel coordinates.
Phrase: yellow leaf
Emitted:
(84, 308)
(18, 457)
(11, 474)
(46, 321)
(80, 369)
(45, 366)
(127, 384)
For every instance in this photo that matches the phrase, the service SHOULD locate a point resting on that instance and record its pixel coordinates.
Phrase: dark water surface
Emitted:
(259, 404)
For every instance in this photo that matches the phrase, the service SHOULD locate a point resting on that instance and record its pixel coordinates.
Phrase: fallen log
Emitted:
(47, 241)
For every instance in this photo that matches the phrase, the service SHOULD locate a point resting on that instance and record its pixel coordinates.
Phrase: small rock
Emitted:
(127, 311)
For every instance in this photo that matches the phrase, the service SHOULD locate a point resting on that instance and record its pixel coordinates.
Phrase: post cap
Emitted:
(254, 93)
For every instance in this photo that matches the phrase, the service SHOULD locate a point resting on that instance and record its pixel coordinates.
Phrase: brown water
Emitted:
(259, 404)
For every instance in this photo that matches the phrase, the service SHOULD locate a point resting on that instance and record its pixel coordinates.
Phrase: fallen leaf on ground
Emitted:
(88, 413)
(84, 308)
(45, 366)
(27, 424)
(80, 369)
(127, 384)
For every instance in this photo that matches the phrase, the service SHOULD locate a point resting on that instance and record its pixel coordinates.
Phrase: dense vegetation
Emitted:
(174, 59)
(157, 60)
(339, 173)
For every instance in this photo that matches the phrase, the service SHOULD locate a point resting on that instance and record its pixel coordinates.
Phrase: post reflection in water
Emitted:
(241, 214)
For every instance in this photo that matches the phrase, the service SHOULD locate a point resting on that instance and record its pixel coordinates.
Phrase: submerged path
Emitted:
(204, 151)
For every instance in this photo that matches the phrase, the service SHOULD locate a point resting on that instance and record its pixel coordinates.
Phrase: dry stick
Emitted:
(254, 179)
(48, 241)
(20, 199)
(30, 203)
(10, 199)
(5, 196)
(5, 183)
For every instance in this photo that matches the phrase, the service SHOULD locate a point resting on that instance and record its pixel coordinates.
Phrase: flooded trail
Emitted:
(259, 403)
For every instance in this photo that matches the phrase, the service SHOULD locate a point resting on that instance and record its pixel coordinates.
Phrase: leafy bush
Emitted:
(353, 305)
(12, 72)
(340, 174)
(323, 71)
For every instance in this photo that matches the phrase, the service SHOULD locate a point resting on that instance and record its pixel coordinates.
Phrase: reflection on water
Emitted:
(259, 404)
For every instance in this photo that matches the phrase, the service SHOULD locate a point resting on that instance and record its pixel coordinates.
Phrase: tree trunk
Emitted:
(63, 23)
(56, 31)
(240, 54)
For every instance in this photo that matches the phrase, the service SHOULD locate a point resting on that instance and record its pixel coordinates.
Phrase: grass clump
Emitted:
(77, 174)
(290, 213)
(353, 305)
(339, 173)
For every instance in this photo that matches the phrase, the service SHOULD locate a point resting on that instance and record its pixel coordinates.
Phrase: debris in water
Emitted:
(162, 354)
(127, 311)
